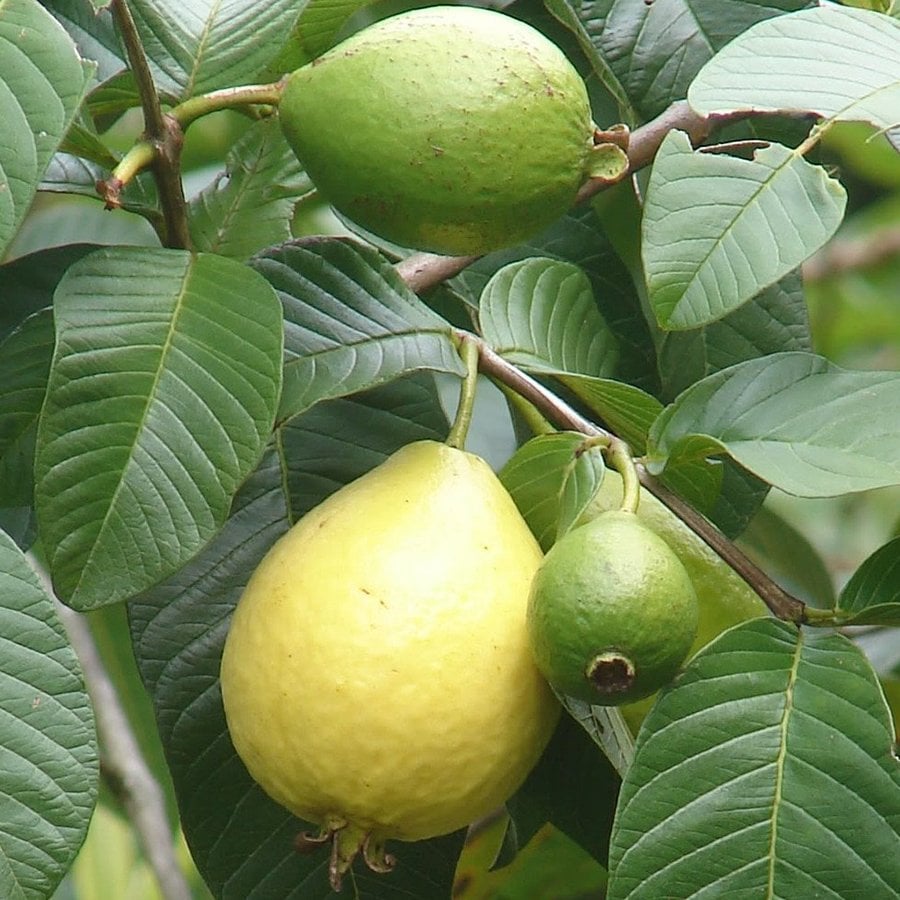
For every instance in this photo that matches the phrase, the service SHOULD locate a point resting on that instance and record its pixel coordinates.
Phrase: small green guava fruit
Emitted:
(377, 678)
(450, 129)
(612, 612)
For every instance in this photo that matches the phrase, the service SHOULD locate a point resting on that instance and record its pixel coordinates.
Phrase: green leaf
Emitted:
(541, 314)
(162, 393)
(582, 478)
(764, 771)
(250, 205)
(573, 786)
(872, 595)
(534, 476)
(656, 49)
(215, 46)
(24, 366)
(27, 284)
(42, 83)
(785, 554)
(93, 32)
(241, 840)
(351, 322)
(756, 221)
(840, 63)
(313, 32)
(794, 419)
(49, 765)
(775, 320)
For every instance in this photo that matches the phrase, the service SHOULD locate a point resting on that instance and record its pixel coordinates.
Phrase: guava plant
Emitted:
(177, 393)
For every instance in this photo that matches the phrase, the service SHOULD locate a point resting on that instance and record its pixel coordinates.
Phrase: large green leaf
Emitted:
(241, 840)
(541, 314)
(794, 419)
(42, 83)
(24, 366)
(655, 49)
(351, 323)
(251, 204)
(205, 44)
(49, 764)
(162, 392)
(719, 229)
(764, 771)
(841, 63)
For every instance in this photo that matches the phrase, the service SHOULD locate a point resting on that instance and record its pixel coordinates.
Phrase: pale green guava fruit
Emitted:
(612, 613)
(377, 678)
(450, 129)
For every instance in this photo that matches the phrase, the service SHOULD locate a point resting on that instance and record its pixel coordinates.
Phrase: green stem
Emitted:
(229, 98)
(619, 454)
(468, 350)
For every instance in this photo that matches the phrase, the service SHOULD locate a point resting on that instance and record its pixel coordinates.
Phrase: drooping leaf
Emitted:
(582, 478)
(350, 322)
(579, 238)
(250, 205)
(42, 83)
(216, 46)
(162, 392)
(24, 366)
(872, 595)
(794, 419)
(656, 49)
(765, 770)
(719, 229)
(840, 63)
(241, 840)
(541, 314)
(49, 765)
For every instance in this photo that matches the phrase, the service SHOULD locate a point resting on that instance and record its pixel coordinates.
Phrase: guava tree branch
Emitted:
(162, 133)
(779, 601)
(124, 764)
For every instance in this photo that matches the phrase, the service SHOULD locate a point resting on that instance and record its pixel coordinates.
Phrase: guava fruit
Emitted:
(450, 129)
(612, 613)
(376, 677)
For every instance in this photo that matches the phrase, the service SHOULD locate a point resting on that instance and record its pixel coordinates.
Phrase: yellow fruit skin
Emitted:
(377, 669)
(451, 129)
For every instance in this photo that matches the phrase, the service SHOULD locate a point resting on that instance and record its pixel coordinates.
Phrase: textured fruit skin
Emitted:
(451, 129)
(611, 585)
(377, 669)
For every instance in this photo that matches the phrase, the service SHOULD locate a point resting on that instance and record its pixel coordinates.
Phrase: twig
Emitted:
(140, 792)
(843, 255)
(162, 132)
(779, 601)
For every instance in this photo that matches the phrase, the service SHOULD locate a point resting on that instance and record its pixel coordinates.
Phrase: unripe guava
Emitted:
(451, 129)
(612, 612)
(376, 677)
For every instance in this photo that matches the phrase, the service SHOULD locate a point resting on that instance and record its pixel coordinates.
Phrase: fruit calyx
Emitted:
(610, 673)
(347, 842)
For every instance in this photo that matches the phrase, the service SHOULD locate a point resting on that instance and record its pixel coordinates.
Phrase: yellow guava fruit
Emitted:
(376, 677)
(612, 612)
(451, 129)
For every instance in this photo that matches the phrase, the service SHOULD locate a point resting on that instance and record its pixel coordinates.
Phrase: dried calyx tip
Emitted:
(346, 841)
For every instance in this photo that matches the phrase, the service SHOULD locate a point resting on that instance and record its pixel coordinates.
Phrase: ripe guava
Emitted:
(451, 129)
(612, 613)
(376, 677)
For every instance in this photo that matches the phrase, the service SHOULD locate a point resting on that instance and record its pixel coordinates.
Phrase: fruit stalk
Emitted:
(468, 350)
